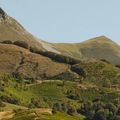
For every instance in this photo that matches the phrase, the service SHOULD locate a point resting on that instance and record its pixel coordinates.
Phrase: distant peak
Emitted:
(2, 14)
(101, 39)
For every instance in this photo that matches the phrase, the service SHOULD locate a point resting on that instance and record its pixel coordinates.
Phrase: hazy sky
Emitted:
(67, 20)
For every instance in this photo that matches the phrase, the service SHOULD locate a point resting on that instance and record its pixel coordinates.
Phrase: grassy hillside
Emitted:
(98, 48)
(45, 81)
(99, 72)
(11, 29)
(33, 114)
(54, 94)
(100, 83)
(16, 60)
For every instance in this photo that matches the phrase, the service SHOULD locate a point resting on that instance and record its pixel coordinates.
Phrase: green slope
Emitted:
(97, 48)
(32, 114)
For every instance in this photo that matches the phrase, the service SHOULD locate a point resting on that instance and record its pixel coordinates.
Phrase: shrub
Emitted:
(18, 76)
(7, 42)
(21, 44)
(118, 66)
(59, 57)
(54, 56)
(62, 107)
(3, 14)
(104, 60)
(73, 95)
(10, 99)
(71, 110)
(2, 88)
(33, 49)
(34, 103)
(78, 70)
(57, 107)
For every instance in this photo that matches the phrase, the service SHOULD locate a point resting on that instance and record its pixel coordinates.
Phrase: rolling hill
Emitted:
(97, 48)
(17, 60)
(43, 60)
(57, 81)
(10, 29)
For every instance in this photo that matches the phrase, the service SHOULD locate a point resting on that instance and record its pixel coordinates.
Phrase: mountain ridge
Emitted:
(95, 48)
(42, 80)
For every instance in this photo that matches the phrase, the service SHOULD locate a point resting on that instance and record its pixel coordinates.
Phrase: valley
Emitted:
(57, 81)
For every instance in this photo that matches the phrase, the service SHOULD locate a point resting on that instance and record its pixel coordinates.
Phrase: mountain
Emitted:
(17, 60)
(10, 29)
(41, 80)
(97, 48)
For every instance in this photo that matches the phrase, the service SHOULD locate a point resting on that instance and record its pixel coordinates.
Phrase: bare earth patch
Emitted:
(6, 115)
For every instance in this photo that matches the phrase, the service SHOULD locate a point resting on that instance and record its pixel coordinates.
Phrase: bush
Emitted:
(33, 49)
(21, 44)
(73, 95)
(7, 42)
(18, 76)
(118, 66)
(57, 107)
(3, 14)
(104, 60)
(71, 111)
(62, 107)
(10, 99)
(78, 70)
(34, 103)
(2, 88)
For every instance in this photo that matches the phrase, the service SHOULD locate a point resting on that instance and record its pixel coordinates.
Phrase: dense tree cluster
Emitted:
(6, 81)
(59, 57)
(10, 99)
(55, 56)
(34, 103)
(98, 110)
(78, 70)
(62, 107)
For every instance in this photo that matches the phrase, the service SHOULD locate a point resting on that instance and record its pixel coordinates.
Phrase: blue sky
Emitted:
(67, 20)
